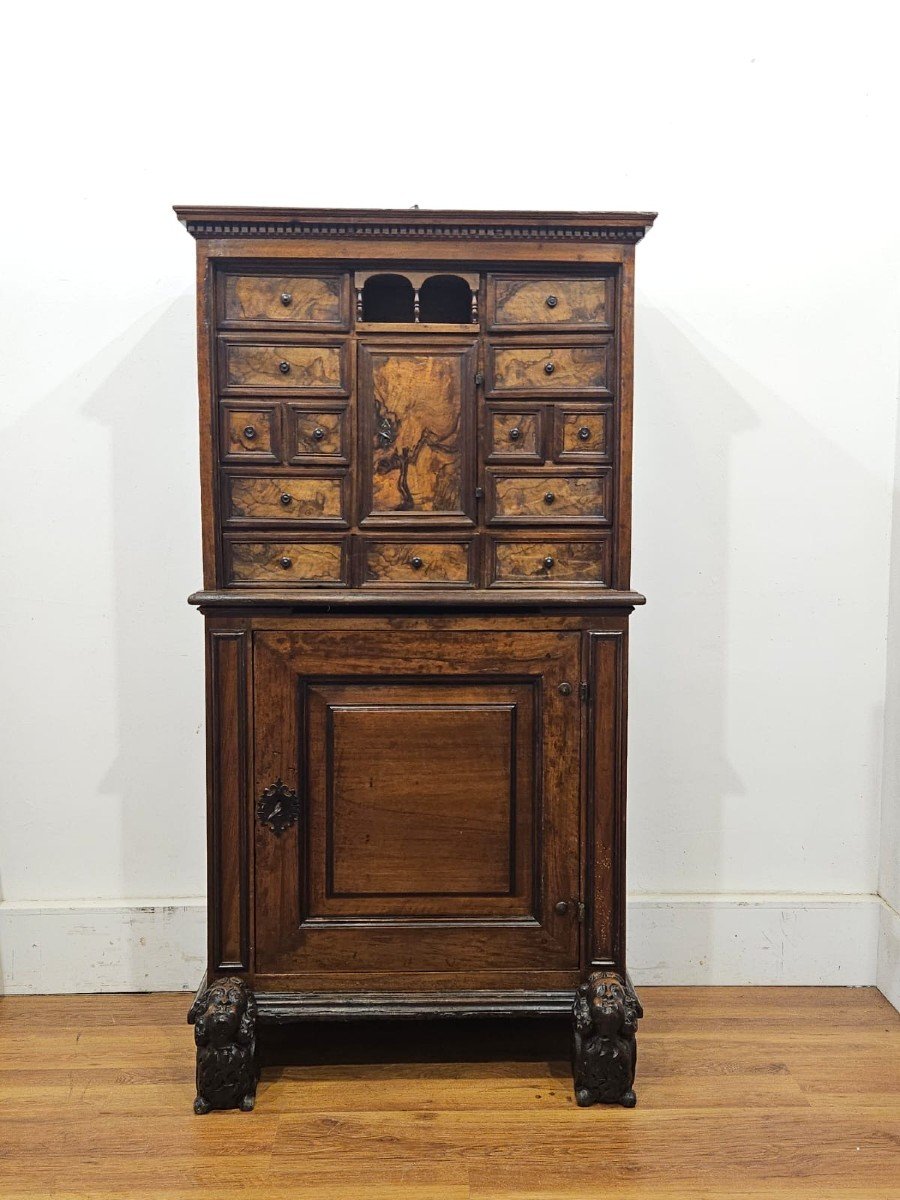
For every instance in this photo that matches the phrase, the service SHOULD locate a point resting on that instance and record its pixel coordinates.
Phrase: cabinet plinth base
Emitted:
(604, 1050)
(224, 1020)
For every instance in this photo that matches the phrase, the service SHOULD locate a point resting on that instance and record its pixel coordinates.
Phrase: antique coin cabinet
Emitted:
(416, 474)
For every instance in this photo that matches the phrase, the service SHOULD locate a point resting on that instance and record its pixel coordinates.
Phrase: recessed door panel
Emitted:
(437, 777)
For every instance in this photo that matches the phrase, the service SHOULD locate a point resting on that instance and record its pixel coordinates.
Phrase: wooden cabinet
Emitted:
(415, 471)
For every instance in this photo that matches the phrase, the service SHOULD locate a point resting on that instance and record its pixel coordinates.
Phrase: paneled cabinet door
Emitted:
(434, 838)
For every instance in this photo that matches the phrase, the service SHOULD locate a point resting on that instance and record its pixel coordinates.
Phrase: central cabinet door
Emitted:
(437, 836)
(416, 411)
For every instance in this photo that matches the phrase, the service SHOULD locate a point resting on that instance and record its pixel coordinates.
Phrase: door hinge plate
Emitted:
(583, 690)
(579, 910)
(479, 378)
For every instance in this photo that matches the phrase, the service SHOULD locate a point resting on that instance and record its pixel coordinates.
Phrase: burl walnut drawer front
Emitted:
(534, 370)
(417, 563)
(514, 435)
(582, 434)
(317, 435)
(288, 366)
(546, 561)
(523, 302)
(249, 434)
(301, 301)
(251, 499)
(306, 563)
(546, 498)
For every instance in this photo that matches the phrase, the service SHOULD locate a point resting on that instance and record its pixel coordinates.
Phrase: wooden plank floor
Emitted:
(773, 1092)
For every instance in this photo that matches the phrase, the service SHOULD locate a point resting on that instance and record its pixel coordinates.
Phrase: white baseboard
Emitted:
(159, 945)
(888, 976)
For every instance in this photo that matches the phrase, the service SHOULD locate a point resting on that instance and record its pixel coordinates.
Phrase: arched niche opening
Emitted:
(387, 298)
(446, 300)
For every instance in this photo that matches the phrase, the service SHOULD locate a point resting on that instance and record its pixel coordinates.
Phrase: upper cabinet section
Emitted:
(426, 301)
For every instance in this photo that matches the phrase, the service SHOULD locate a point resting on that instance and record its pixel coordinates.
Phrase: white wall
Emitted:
(767, 361)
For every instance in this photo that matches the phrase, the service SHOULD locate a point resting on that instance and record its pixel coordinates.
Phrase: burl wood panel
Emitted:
(316, 434)
(546, 562)
(285, 562)
(397, 823)
(582, 435)
(300, 678)
(285, 498)
(416, 563)
(543, 370)
(249, 434)
(310, 300)
(298, 367)
(535, 302)
(549, 497)
(515, 436)
(415, 406)
(229, 878)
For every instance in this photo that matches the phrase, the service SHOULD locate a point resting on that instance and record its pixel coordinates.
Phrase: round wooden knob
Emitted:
(561, 907)
(549, 368)
(548, 561)
(285, 562)
(285, 498)
(284, 367)
(584, 433)
(249, 433)
(318, 433)
(565, 689)
(552, 302)
(549, 497)
(286, 298)
(515, 434)
(415, 563)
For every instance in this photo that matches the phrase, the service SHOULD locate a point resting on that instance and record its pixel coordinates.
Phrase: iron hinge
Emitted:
(479, 378)
(579, 910)
(584, 690)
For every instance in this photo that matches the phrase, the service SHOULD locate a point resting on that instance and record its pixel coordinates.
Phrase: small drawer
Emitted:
(514, 435)
(251, 499)
(301, 301)
(547, 498)
(582, 434)
(531, 370)
(417, 563)
(248, 434)
(317, 435)
(524, 302)
(270, 562)
(286, 366)
(549, 562)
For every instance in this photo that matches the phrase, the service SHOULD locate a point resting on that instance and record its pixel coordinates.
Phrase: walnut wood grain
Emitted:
(583, 434)
(549, 497)
(317, 434)
(416, 563)
(249, 434)
(546, 301)
(281, 562)
(306, 301)
(416, 412)
(515, 435)
(545, 369)
(285, 498)
(546, 562)
(294, 366)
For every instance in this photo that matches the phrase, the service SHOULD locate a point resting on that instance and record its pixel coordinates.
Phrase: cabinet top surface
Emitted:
(216, 221)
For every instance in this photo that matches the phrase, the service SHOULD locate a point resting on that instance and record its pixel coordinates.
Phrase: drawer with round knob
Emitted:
(268, 499)
(308, 368)
(569, 368)
(549, 497)
(582, 433)
(549, 562)
(280, 563)
(249, 434)
(518, 303)
(319, 301)
(514, 435)
(417, 563)
(317, 435)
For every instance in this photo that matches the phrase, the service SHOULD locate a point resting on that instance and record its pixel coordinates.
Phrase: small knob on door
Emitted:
(561, 907)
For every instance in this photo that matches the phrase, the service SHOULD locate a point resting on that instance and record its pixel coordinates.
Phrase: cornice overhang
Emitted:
(624, 228)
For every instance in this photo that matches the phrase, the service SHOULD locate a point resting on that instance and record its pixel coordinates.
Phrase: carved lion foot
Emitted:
(604, 1050)
(224, 1020)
